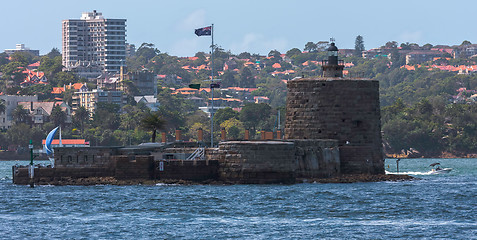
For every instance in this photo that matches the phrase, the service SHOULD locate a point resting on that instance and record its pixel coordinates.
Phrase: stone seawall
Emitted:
(194, 170)
(99, 157)
(51, 175)
(256, 162)
(317, 158)
(276, 161)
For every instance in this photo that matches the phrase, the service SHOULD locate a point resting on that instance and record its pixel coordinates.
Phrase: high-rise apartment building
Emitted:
(93, 44)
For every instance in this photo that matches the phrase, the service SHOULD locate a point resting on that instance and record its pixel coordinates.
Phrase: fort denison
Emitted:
(332, 129)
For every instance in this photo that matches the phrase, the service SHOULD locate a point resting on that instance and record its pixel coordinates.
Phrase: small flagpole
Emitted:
(212, 90)
(61, 144)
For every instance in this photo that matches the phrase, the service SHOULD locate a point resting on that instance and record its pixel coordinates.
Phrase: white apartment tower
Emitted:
(93, 45)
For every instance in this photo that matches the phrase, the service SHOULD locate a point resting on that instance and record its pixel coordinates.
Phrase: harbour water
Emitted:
(434, 207)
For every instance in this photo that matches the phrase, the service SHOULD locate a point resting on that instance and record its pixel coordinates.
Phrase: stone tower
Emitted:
(344, 109)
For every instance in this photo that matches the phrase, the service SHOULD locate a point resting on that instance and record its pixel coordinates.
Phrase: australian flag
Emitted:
(205, 31)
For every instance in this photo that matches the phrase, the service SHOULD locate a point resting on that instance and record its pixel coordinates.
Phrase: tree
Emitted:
(152, 122)
(228, 79)
(24, 58)
(427, 46)
(224, 114)
(3, 59)
(391, 44)
(80, 117)
(19, 134)
(358, 46)
(51, 66)
(465, 43)
(14, 71)
(246, 78)
(274, 53)
(21, 115)
(310, 47)
(63, 78)
(253, 114)
(58, 117)
(106, 116)
(147, 51)
(2, 106)
(293, 52)
(55, 52)
(244, 55)
(233, 127)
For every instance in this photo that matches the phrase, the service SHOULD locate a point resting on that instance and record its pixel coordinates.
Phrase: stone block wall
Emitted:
(360, 159)
(335, 108)
(48, 175)
(317, 158)
(133, 167)
(191, 170)
(69, 157)
(256, 161)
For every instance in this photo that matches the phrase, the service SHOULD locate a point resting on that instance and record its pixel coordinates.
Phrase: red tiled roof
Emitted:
(66, 141)
(186, 89)
(77, 86)
(58, 90)
(37, 64)
(261, 97)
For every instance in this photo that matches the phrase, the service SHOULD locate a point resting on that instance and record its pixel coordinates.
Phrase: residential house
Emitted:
(465, 51)
(34, 66)
(261, 99)
(186, 91)
(11, 102)
(346, 52)
(420, 56)
(230, 64)
(33, 77)
(169, 80)
(197, 101)
(149, 100)
(40, 112)
(57, 91)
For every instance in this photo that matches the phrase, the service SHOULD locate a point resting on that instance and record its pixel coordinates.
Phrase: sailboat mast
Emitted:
(61, 144)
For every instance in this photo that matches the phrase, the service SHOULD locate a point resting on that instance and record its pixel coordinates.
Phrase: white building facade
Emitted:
(93, 44)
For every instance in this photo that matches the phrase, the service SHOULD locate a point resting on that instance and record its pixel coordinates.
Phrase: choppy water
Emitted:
(436, 207)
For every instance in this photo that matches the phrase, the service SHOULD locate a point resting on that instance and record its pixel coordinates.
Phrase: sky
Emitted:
(247, 25)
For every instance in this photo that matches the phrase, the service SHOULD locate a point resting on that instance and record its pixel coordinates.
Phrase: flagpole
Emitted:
(61, 144)
(212, 90)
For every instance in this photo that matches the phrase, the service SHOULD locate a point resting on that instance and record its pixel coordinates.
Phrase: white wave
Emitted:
(409, 173)
(167, 184)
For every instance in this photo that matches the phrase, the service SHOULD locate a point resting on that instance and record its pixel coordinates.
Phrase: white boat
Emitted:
(438, 169)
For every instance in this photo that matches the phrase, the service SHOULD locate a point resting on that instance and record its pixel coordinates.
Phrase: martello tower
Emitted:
(341, 108)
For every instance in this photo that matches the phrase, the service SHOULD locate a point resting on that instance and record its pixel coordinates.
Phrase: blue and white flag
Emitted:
(205, 31)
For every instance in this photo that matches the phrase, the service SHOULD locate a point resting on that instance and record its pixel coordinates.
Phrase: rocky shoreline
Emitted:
(118, 182)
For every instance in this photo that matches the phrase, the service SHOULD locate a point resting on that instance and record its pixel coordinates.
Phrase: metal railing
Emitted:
(198, 154)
